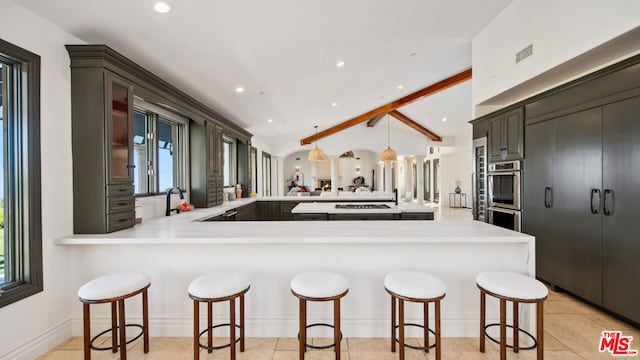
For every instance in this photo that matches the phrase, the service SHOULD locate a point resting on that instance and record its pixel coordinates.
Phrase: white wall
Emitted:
(456, 165)
(33, 325)
(559, 31)
(367, 162)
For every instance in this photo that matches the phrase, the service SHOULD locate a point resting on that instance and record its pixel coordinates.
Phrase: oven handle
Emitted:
(503, 210)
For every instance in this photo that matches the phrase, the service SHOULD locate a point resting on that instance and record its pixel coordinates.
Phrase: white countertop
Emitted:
(187, 228)
(330, 208)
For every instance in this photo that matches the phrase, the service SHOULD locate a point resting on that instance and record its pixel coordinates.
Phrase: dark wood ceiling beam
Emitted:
(373, 121)
(429, 90)
(414, 125)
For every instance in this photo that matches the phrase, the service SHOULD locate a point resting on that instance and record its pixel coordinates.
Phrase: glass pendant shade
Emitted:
(316, 154)
(389, 155)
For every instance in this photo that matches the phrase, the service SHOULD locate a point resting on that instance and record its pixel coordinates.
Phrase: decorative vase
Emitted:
(458, 190)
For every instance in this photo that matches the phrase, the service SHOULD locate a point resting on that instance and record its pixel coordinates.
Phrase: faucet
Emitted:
(173, 190)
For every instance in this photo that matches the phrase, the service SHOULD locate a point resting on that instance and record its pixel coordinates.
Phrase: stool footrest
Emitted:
(318, 347)
(535, 341)
(412, 346)
(207, 347)
(118, 344)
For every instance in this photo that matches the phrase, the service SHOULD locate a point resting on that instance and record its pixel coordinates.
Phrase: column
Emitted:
(387, 177)
(380, 177)
(420, 177)
(334, 172)
(408, 178)
(280, 185)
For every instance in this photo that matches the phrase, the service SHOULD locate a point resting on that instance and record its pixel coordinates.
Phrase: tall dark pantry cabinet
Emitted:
(581, 187)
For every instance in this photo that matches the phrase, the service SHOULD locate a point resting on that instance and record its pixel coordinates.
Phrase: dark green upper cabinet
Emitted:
(119, 115)
(506, 133)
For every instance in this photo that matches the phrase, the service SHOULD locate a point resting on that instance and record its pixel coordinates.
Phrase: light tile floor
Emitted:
(572, 331)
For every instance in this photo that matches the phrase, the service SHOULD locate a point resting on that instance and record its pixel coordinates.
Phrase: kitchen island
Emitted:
(175, 250)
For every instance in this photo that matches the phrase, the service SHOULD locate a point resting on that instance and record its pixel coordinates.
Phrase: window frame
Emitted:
(154, 114)
(233, 161)
(23, 187)
(266, 174)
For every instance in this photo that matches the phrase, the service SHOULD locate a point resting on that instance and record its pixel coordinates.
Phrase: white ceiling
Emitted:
(288, 50)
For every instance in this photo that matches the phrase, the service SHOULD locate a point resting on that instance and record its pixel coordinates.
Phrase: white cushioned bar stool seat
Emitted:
(319, 286)
(218, 285)
(113, 285)
(212, 288)
(517, 288)
(420, 287)
(114, 289)
(414, 284)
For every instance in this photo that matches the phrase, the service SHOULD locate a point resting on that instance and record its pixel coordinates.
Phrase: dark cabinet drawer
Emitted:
(120, 221)
(416, 216)
(120, 204)
(119, 189)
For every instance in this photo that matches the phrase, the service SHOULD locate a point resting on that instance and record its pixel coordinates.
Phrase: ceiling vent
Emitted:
(524, 53)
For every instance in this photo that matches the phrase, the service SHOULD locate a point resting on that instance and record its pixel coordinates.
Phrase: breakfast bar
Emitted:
(175, 250)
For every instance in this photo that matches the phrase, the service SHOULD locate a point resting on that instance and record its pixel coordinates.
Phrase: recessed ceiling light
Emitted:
(340, 63)
(444, 119)
(161, 7)
(269, 120)
(400, 87)
(334, 104)
(239, 89)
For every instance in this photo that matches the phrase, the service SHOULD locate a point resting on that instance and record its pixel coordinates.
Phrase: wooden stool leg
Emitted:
(209, 326)
(393, 323)
(87, 331)
(232, 327)
(114, 327)
(196, 329)
(303, 328)
(145, 319)
(516, 333)
(426, 327)
(540, 329)
(241, 323)
(503, 329)
(401, 327)
(483, 298)
(123, 330)
(438, 347)
(336, 327)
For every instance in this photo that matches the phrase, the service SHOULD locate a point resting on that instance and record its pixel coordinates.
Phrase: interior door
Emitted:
(577, 204)
(538, 194)
(621, 183)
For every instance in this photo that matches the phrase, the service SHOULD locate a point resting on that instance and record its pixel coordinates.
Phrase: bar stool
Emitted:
(516, 288)
(418, 287)
(319, 286)
(114, 289)
(217, 287)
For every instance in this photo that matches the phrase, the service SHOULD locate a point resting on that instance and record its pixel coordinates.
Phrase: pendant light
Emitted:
(388, 154)
(316, 154)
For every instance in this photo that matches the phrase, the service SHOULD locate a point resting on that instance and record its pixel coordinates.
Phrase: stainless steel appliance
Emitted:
(506, 218)
(504, 185)
(479, 180)
(503, 180)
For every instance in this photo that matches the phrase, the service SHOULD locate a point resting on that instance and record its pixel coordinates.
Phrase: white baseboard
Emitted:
(41, 343)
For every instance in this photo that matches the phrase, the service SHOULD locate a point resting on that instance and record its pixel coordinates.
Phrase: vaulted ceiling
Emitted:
(284, 54)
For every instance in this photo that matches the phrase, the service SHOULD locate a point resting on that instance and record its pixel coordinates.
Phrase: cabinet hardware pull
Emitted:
(595, 210)
(123, 204)
(607, 211)
(548, 197)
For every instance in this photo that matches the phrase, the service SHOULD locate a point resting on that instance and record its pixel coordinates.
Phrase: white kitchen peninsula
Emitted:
(175, 250)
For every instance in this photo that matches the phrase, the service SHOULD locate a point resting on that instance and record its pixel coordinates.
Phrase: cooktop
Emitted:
(362, 206)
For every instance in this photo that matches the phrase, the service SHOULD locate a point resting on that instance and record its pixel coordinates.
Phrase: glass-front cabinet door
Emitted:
(119, 101)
